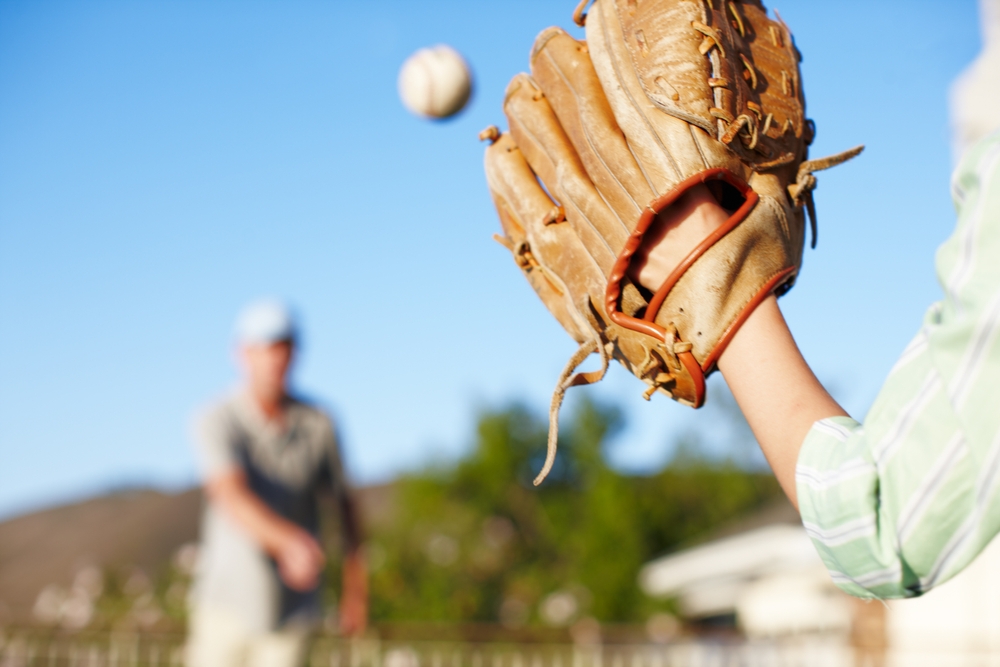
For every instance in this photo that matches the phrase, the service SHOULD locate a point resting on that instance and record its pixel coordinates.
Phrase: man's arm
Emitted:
(300, 558)
(354, 573)
(354, 593)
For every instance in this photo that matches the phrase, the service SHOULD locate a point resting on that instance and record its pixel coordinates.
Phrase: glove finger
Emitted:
(548, 150)
(674, 145)
(523, 206)
(563, 70)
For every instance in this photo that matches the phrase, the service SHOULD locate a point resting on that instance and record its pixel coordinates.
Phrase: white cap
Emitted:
(265, 321)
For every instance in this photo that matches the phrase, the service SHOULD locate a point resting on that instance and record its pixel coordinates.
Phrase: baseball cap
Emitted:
(265, 321)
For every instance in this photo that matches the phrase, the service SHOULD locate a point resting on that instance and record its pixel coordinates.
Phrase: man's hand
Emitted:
(354, 597)
(300, 559)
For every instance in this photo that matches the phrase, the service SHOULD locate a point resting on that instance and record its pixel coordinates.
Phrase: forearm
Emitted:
(350, 524)
(355, 574)
(776, 390)
(354, 594)
(267, 528)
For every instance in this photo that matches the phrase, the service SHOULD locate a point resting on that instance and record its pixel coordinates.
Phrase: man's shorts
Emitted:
(218, 638)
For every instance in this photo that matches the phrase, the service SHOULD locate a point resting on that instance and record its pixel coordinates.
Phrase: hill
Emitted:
(141, 528)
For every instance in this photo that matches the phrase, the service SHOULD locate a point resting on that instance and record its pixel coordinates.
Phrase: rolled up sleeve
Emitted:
(216, 439)
(905, 501)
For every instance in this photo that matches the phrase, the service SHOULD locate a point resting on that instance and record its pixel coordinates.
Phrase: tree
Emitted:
(475, 541)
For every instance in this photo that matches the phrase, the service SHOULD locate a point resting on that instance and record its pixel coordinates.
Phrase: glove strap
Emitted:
(647, 324)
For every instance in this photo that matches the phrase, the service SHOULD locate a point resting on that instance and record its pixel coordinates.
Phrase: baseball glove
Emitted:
(605, 134)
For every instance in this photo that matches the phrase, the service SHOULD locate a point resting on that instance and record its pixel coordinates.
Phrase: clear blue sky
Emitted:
(161, 163)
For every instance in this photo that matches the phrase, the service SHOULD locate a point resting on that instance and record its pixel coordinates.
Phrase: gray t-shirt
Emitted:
(287, 467)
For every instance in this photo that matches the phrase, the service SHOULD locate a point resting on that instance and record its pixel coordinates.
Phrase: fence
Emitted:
(34, 649)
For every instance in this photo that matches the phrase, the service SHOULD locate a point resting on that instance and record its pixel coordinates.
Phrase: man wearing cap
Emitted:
(266, 458)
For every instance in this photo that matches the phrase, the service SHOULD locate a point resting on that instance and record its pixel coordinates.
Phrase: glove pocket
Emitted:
(720, 290)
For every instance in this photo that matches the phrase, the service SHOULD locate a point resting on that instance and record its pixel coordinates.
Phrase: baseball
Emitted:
(435, 82)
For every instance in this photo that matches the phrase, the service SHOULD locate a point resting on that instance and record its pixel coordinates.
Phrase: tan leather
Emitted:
(662, 95)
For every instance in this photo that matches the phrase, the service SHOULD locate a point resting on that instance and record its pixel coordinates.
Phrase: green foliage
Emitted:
(475, 541)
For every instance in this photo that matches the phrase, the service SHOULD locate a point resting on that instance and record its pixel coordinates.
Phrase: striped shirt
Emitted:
(905, 501)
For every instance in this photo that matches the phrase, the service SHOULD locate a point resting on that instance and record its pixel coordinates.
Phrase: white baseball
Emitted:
(435, 82)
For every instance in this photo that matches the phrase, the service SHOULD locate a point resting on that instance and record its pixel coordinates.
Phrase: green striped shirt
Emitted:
(905, 501)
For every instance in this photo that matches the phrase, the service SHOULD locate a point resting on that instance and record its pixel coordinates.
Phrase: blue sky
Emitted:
(161, 163)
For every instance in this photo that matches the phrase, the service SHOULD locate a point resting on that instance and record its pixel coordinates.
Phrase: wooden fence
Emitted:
(35, 649)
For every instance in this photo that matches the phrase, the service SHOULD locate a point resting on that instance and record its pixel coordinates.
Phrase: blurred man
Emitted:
(266, 458)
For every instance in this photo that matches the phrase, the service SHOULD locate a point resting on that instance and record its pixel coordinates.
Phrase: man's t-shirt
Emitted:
(287, 467)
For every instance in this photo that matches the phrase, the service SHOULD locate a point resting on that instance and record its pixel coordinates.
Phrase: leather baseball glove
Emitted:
(663, 96)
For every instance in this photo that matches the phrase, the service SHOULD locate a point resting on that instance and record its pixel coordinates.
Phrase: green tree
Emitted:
(475, 541)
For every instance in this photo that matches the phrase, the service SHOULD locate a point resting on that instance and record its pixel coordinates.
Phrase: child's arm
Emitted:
(904, 502)
(774, 387)
(776, 390)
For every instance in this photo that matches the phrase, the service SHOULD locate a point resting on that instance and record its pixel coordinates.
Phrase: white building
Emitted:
(771, 579)
(975, 95)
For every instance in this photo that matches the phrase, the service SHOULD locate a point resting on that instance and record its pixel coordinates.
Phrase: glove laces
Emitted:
(801, 191)
(570, 378)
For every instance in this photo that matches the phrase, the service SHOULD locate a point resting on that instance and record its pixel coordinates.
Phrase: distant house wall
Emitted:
(777, 587)
(959, 618)
(975, 95)
(770, 577)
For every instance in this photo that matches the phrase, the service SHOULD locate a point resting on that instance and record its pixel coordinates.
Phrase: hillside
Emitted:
(141, 527)
(138, 527)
